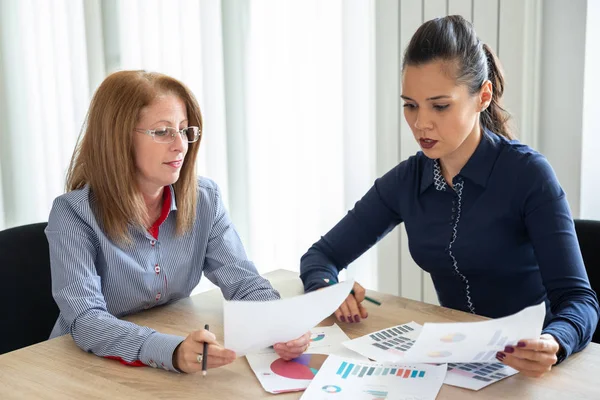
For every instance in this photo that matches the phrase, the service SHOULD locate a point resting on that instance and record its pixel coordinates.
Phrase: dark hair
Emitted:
(453, 39)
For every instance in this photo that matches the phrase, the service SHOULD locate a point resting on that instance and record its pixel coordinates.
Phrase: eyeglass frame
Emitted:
(152, 132)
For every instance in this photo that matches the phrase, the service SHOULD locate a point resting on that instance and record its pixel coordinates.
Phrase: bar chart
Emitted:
(349, 369)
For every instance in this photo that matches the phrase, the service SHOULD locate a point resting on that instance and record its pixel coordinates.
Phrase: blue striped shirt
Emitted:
(95, 281)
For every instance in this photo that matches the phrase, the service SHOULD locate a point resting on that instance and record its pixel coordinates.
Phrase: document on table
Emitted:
(253, 325)
(469, 348)
(348, 379)
(392, 343)
(279, 376)
(468, 342)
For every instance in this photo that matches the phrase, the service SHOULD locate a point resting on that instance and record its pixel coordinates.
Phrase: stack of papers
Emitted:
(469, 348)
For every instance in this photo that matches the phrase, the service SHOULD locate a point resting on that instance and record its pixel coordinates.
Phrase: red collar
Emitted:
(164, 213)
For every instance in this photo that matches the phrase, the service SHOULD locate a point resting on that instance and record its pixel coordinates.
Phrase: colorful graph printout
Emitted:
(388, 343)
(375, 381)
(277, 375)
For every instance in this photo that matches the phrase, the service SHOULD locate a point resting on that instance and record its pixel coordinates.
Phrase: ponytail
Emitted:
(495, 118)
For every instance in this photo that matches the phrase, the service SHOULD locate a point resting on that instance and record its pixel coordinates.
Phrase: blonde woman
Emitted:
(137, 229)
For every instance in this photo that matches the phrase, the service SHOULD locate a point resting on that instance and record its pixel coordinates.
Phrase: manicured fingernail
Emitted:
(521, 344)
(343, 318)
(500, 355)
(350, 319)
(509, 349)
(356, 318)
(501, 359)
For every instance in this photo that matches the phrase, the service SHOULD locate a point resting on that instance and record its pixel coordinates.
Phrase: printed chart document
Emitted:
(467, 342)
(278, 376)
(253, 325)
(343, 378)
(392, 343)
(468, 348)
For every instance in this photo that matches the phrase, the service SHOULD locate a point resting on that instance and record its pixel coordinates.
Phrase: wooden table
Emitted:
(58, 369)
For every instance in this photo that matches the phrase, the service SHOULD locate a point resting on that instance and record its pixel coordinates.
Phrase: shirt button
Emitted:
(157, 269)
(152, 242)
(158, 297)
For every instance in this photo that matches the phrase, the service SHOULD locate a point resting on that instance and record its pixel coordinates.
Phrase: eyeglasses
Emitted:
(190, 134)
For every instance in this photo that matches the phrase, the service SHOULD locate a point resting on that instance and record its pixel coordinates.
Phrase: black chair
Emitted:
(28, 309)
(588, 234)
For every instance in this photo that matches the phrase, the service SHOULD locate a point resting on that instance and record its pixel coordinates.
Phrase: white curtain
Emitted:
(284, 86)
(44, 96)
(182, 38)
(310, 123)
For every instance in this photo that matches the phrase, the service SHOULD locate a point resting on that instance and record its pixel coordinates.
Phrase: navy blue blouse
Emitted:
(501, 239)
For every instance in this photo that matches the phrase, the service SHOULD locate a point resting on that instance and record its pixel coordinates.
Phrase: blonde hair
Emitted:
(104, 158)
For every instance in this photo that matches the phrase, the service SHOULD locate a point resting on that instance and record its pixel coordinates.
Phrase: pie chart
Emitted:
(453, 338)
(331, 389)
(315, 337)
(304, 367)
(439, 354)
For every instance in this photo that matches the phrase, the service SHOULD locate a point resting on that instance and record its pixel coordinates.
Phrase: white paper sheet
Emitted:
(253, 325)
(341, 378)
(279, 376)
(392, 343)
(467, 342)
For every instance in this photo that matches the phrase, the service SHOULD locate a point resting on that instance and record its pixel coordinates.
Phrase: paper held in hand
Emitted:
(254, 325)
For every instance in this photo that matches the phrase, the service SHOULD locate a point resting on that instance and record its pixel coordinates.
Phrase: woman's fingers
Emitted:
(302, 341)
(351, 310)
(339, 314)
(202, 336)
(345, 312)
(352, 304)
(217, 357)
(359, 292)
(531, 357)
(293, 348)
(187, 355)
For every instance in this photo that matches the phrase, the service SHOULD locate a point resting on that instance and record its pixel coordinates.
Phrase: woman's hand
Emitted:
(293, 348)
(352, 309)
(532, 357)
(186, 356)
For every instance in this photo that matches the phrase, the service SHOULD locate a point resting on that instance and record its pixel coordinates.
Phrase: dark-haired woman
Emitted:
(485, 215)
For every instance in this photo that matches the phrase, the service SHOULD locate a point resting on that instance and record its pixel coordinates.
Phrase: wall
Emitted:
(513, 29)
(561, 103)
